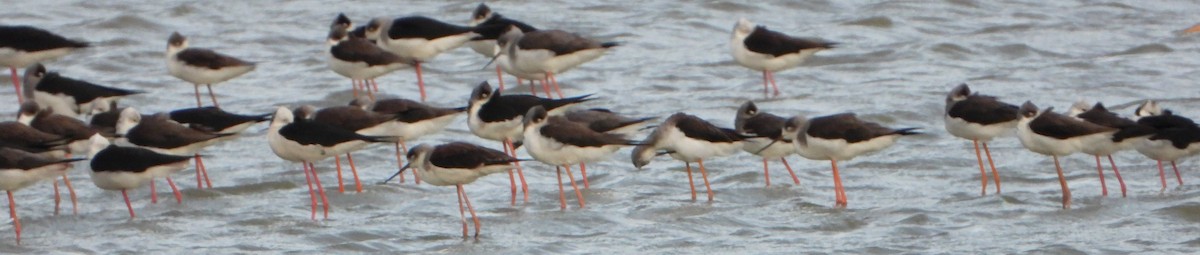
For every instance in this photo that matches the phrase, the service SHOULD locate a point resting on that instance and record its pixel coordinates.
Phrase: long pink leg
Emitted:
(546, 86)
(995, 174)
(766, 83)
(470, 209)
(416, 177)
(374, 85)
(420, 81)
(20, 98)
(197, 89)
(532, 88)
(838, 189)
(213, 96)
(562, 195)
(312, 194)
(354, 87)
(500, 77)
(12, 210)
(400, 162)
(982, 172)
(557, 89)
(202, 170)
(1063, 180)
(1177, 177)
(320, 190)
(153, 194)
(462, 214)
(766, 173)
(583, 174)
(1100, 170)
(338, 161)
(354, 171)
(773, 85)
(574, 186)
(691, 183)
(789, 168)
(512, 179)
(704, 174)
(1162, 176)
(520, 173)
(57, 198)
(125, 193)
(1118, 174)
(178, 197)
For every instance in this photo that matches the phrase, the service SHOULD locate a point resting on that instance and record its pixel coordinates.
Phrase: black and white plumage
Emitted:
(357, 119)
(124, 168)
(419, 38)
(1098, 114)
(548, 53)
(979, 118)
(358, 58)
(412, 120)
(23, 46)
(559, 142)
(497, 117)
(764, 130)
(202, 66)
(457, 164)
(214, 120)
(19, 169)
(305, 141)
(689, 139)
(487, 44)
(761, 49)
(68, 96)
(839, 137)
(1054, 134)
(1163, 136)
(23, 136)
(158, 133)
(74, 132)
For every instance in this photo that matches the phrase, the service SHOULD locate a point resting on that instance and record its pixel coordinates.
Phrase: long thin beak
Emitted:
(397, 173)
(765, 147)
(489, 63)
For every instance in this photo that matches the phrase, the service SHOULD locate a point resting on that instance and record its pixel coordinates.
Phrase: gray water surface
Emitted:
(896, 61)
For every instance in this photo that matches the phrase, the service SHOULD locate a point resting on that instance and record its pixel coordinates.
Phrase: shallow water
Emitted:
(895, 64)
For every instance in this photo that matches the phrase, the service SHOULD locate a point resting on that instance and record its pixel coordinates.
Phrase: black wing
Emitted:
(777, 44)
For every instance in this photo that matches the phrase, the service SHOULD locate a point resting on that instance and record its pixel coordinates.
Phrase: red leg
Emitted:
(546, 86)
(337, 160)
(12, 210)
(374, 87)
(312, 194)
(462, 214)
(766, 174)
(153, 194)
(354, 87)
(197, 89)
(704, 174)
(838, 189)
(512, 179)
(1063, 180)
(1162, 176)
(1177, 177)
(562, 195)
(354, 171)
(320, 190)
(766, 83)
(1100, 170)
(202, 170)
(532, 88)
(16, 80)
(983, 176)
(773, 85)
(554, 81)
(416, 177)
(213, 96)
(470, 208)
(125, 194)
(1118, 174)
(995, 174)
(400, 162)
(57, 198)
(175, 190)
(420, 81)
(583, 173)
(520, 173)
(691, 183)
(789, 168)
(575, 187)
(500, 77)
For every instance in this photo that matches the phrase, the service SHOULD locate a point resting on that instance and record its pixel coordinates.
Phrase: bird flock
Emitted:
(126, 149)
